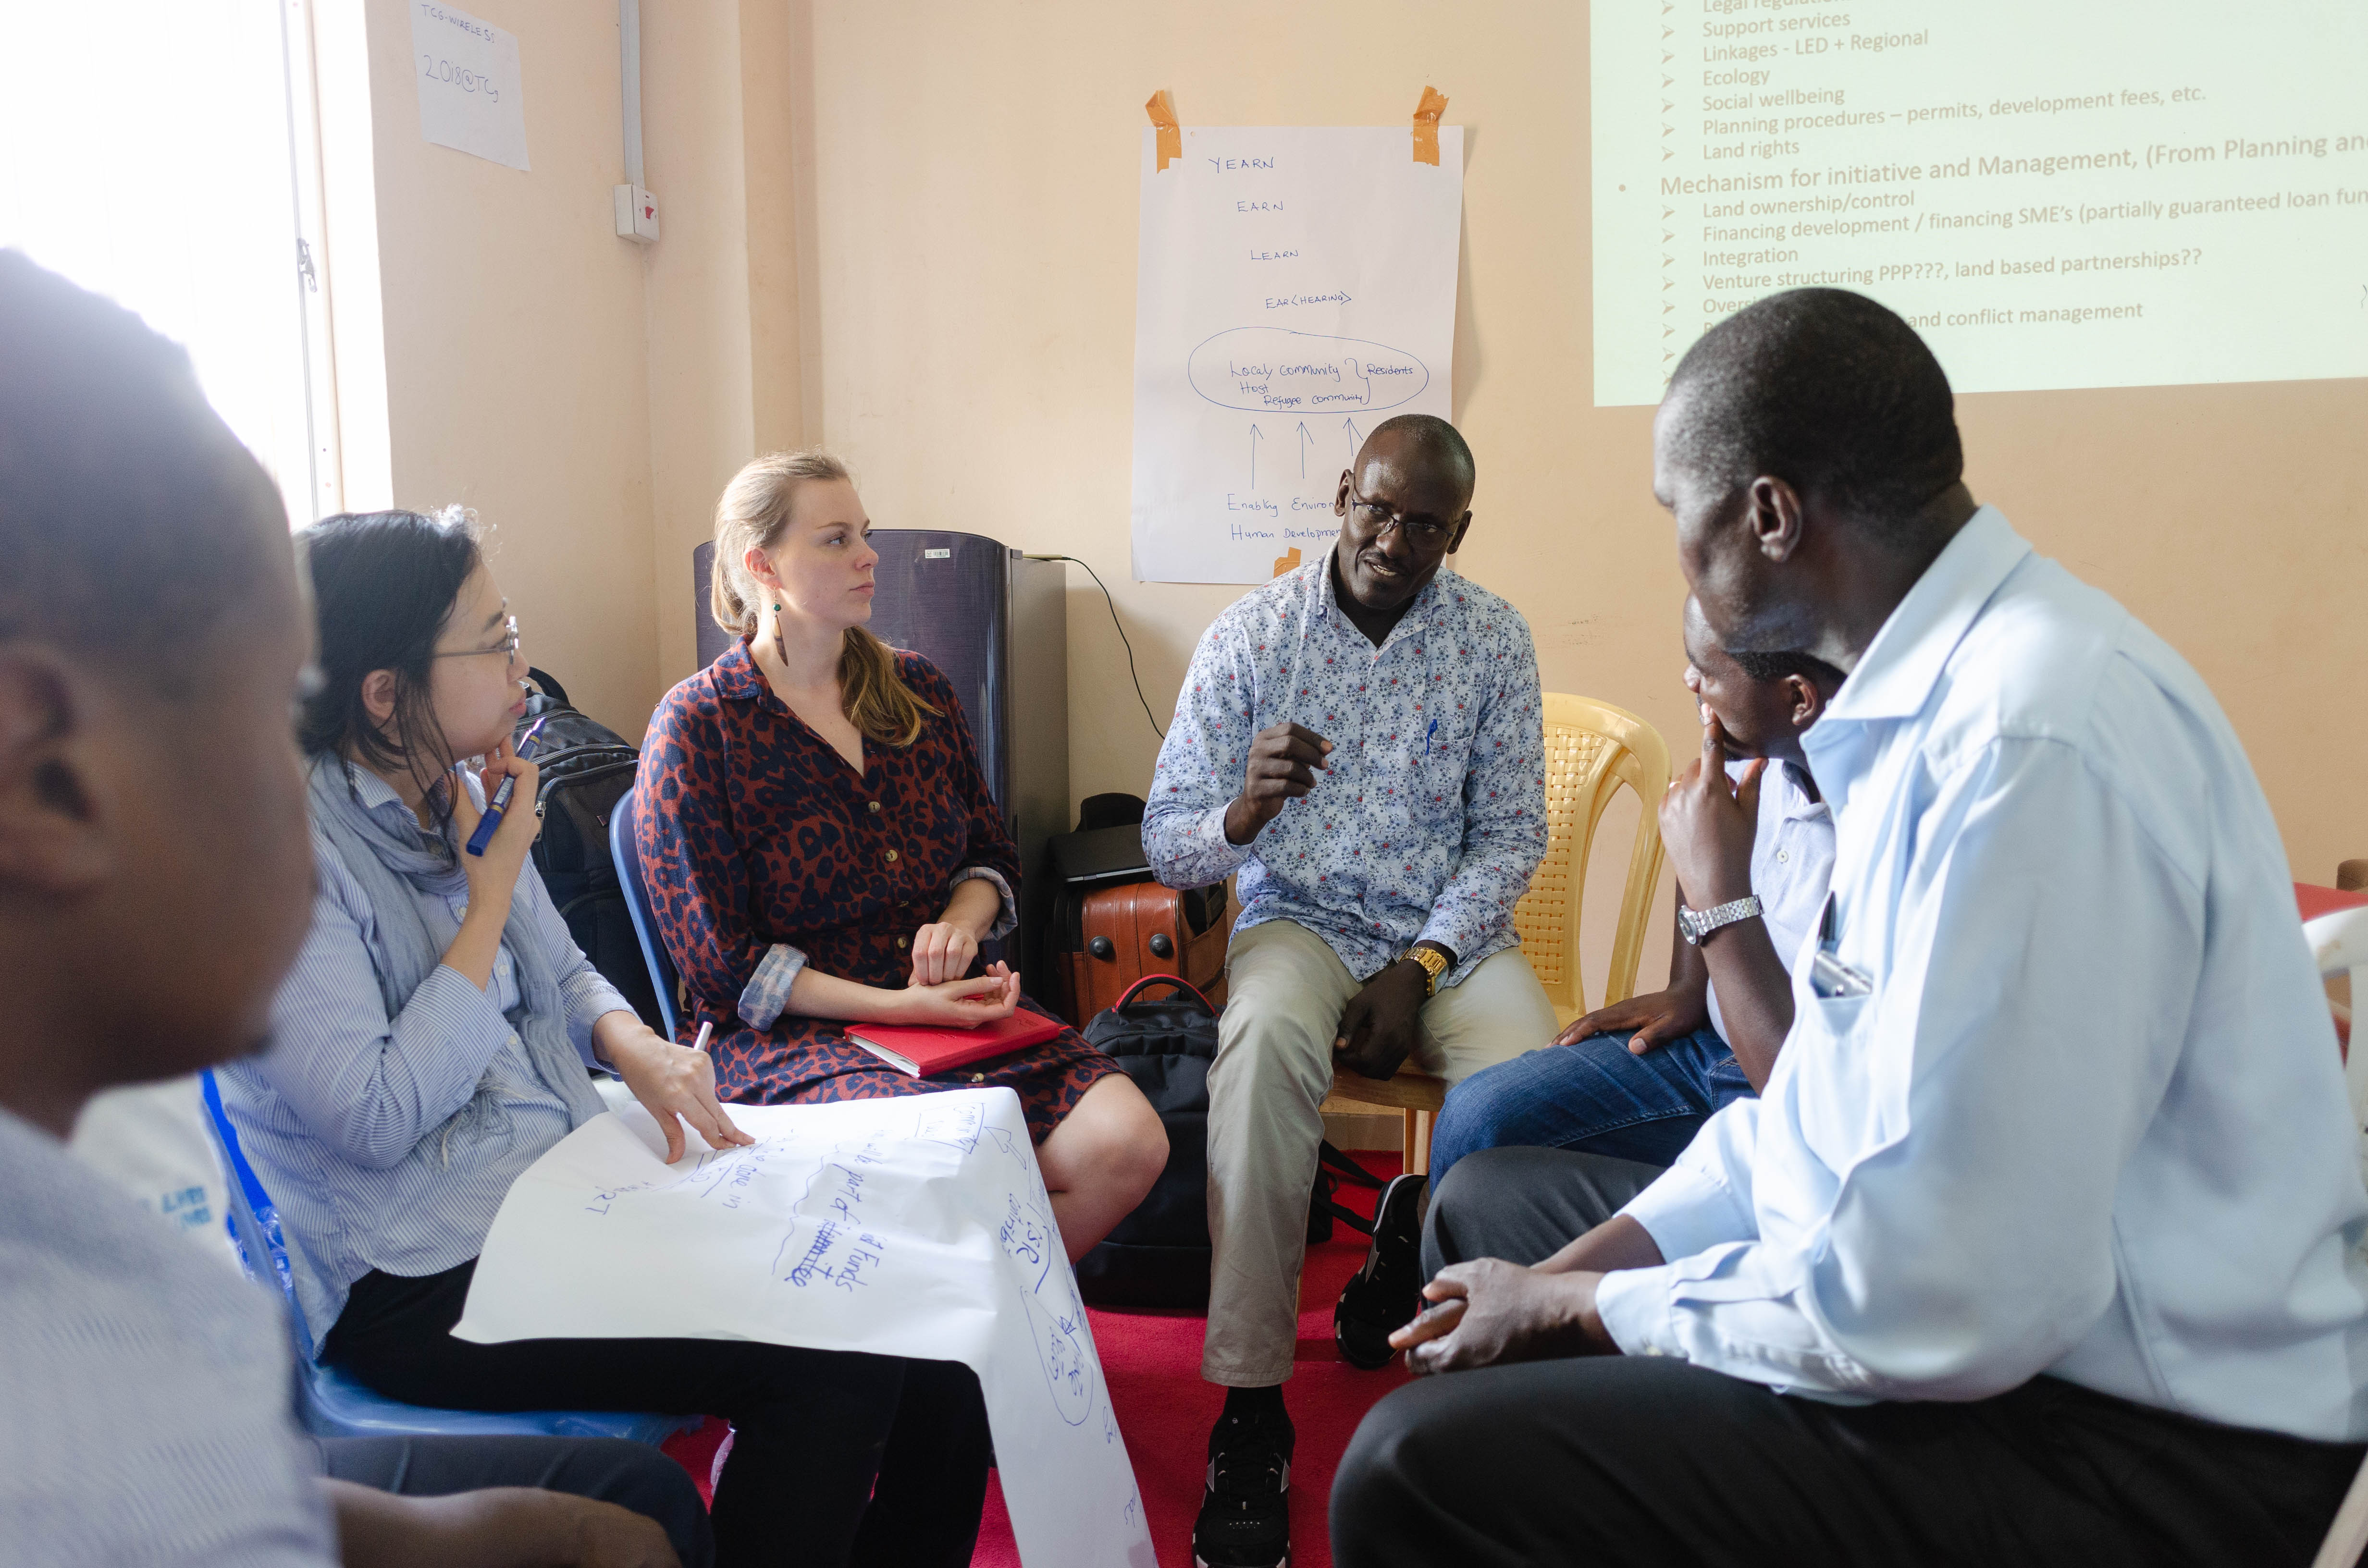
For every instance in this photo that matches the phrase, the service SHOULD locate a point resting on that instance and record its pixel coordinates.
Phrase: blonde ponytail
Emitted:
(751, 515)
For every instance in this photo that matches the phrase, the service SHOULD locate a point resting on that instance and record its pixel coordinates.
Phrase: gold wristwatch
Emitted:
(1434, 964)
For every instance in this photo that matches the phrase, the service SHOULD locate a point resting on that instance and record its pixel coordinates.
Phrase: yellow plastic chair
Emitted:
(1592, 748)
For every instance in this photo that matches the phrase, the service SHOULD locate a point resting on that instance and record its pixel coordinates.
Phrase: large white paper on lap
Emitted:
(905, 1227)
(1295, 286)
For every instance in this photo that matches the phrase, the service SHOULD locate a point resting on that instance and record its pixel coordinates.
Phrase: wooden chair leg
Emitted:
(1407, 1131)
(1420, 1164)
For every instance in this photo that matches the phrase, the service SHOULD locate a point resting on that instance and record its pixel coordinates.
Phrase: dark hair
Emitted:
(1777, 666)
(1829, 392)
(383, 586)
(1434, 438)
(109, 456)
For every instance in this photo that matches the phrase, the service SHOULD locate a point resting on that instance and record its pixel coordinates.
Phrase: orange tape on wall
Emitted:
(1426, 127)
(1162, 110)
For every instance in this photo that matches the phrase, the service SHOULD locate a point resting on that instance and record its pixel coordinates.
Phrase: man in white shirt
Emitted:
(2041, 1245)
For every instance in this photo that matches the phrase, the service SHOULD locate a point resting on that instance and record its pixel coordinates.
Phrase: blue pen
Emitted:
(500, 803)
(1426, 736)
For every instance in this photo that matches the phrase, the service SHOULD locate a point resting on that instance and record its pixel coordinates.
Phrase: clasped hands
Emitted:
(1488, 1310)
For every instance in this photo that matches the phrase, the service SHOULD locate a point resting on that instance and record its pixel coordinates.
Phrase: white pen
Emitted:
(706, 1028)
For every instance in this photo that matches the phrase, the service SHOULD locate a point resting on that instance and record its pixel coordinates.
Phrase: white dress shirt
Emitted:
(146, 1419)
(2089, 1120)
(1792, 860)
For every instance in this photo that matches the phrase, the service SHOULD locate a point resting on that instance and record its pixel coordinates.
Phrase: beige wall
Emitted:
(909, 230)
(974, 215)
(509, 320)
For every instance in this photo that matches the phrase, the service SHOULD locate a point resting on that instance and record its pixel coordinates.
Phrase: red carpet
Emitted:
(1164, 1411)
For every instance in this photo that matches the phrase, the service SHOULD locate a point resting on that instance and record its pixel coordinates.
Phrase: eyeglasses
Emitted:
(1423, 533)
(507, 647)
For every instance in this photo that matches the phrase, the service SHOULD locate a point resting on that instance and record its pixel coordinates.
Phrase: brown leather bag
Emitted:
(1137, 929)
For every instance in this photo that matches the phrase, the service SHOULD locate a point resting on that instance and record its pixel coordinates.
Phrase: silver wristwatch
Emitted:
(1693, 925)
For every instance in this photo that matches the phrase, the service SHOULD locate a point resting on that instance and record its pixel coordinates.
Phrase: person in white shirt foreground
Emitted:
(2040, 1245)
(155, 877)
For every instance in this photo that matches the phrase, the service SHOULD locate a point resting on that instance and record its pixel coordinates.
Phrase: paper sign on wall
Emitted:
(1295, 287)
(471, 96)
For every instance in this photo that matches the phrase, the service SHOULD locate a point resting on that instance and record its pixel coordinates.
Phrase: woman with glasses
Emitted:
(432, 1041)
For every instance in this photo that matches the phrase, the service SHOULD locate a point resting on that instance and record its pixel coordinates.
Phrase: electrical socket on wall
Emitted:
(637, 214)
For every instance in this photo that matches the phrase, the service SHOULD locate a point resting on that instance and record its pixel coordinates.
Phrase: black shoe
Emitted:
(1384, 1295)
(1246, 1508)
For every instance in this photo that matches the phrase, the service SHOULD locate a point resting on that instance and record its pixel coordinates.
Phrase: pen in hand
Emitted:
(498, 806)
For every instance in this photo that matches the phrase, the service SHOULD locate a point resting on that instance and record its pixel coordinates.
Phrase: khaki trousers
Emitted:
(1286, 990)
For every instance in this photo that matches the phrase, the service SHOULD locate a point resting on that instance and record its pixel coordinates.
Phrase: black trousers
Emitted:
(1651, 1460)
(840, 1458)
(610, 1470)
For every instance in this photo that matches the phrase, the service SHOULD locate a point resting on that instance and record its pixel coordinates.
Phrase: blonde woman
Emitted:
(821, 849)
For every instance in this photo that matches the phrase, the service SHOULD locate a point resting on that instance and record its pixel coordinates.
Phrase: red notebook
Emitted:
(927, 1049)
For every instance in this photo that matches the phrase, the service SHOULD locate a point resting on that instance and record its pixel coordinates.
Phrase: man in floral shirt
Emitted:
(1360, 741)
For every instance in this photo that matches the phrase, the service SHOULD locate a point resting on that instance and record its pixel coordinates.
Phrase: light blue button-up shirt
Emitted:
(1432, 813)
(390, 1142)
(2090, 1120)
(144, 1413)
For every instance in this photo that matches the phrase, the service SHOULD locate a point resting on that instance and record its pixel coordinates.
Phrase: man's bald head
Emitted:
(1829, 392)
(1428, 443)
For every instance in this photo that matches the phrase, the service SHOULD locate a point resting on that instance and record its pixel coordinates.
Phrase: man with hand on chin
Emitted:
(2041, 1244)
(1361, 741)
(1572, 1133)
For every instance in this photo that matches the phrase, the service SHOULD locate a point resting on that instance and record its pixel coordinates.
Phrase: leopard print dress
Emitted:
(754, 830)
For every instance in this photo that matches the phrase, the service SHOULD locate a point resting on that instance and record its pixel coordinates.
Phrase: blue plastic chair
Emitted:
(331, 1402)
(627, 858)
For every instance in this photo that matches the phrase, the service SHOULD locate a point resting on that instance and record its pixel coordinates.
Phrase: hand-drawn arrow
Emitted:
(1356, 440)
(1256, 436)
(1305, 441)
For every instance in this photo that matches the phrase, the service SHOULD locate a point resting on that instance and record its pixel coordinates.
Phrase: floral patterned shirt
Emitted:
(1431, 815)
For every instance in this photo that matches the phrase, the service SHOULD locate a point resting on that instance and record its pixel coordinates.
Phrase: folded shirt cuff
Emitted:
(449, 1009)
(1686, 1212)
(589, 998)
(1471, 949)
(1634, 1306)
(1192, 851)
(768, 991)
(1008, 917)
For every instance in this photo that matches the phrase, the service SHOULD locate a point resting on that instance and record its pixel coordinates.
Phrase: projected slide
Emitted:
(2079, 193)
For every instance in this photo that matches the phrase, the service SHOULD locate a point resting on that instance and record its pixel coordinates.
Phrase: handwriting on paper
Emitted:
(836, 1246)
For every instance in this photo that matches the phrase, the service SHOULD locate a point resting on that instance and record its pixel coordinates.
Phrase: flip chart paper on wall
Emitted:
(471, 96)
(916, 1226)
(1295, 287)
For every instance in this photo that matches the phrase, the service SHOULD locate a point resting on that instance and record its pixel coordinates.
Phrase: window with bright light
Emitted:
(163, 153)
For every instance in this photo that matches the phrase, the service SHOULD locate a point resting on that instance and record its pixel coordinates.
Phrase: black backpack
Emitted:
(585, 769)
(1158, 1256)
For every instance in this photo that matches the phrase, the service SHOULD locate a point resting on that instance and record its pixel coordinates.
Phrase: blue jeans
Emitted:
(1595, 1097)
